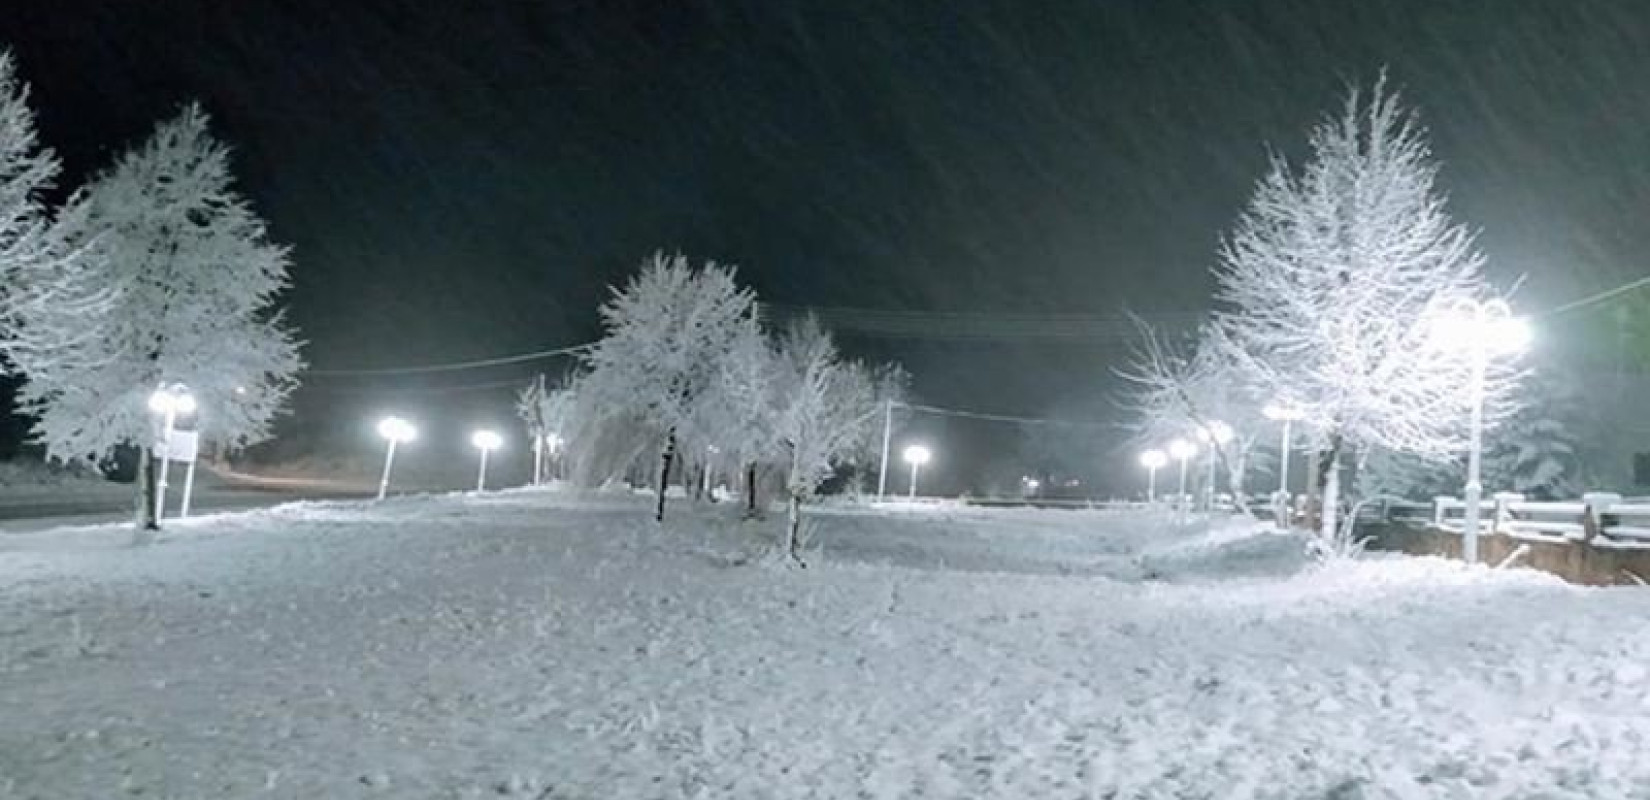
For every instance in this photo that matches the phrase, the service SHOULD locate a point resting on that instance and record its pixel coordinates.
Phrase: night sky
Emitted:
(975, 188)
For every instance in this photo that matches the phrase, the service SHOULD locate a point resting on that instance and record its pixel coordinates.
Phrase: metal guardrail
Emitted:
(1602, 519)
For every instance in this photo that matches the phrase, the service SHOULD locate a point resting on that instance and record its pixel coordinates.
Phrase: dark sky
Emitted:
(460, 180)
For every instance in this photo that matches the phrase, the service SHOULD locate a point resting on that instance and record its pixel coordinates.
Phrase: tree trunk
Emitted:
(1235, 472)
(148, 514)
(793, 528)
(664, 474)
(750, 489)
(1329, 476)
(1311, 517)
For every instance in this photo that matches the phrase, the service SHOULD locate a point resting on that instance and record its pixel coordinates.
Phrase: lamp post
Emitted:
(538, 457)
(1215, 434)
(552, 446)
(916, 455)
(168, 402)
(1286, 414)
(395, 430)
(485, 441)
(1153, 460)
(1182, 450)
(1485, 328)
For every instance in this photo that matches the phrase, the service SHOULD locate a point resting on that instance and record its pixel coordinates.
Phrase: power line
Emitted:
(1600, 297)
(454, 366)
(1003, 326)
(516, 383)
(955, 412)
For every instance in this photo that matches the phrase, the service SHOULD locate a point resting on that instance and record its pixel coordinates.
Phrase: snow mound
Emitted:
(1232, 548)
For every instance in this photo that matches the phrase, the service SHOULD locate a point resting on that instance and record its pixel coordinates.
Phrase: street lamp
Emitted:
(485, 441)
(1286, 414)
(916, 455)
(1485, 328)
(1153, 460)
(395, 430)
(169, 402)
(1183, 451)
(1215, 434)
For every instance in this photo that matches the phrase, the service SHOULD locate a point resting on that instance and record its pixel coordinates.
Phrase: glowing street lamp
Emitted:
(1215, 434)
(1286, 414)
(1486, 328)
(1183, 451)
(169, 402)
(916, 455)
(485, 441)
(1153, 460)
(395, 430)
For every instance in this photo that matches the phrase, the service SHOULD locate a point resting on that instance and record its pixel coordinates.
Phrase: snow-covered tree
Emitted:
(1535, 452)
(195, 280)
(736, 416)
(1173, 394)
(669, 329)
(1331, 282)
(546, 411)
(823, 408)
(49, 309)
(891, 391)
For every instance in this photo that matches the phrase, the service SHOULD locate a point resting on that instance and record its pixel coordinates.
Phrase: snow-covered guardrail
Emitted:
(1600, 518)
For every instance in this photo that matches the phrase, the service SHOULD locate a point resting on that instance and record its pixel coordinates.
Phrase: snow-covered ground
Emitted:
(545, 645)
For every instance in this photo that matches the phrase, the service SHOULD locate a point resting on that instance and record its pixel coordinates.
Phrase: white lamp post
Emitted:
(916, 455)
(538, 459)
(552, 448)
(1486, 328)
(1153, 460)
(1183, 451)
(395, 430)
(1215, 434)
(169, 402)
(1286, 414)
(485, 441)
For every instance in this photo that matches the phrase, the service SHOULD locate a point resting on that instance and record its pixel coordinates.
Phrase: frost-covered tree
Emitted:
(1330, 282)
(891, 392)
(736, 416)
(1175, 394)
(1535, 452)
(49, 309)
(195, 280)
(669, 329)
(546, 411)
(823, 407)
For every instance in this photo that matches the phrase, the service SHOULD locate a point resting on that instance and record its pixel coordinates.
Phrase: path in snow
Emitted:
(540, 645)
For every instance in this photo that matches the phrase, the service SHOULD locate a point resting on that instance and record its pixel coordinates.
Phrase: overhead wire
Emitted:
(1598, 297)
(454, 366)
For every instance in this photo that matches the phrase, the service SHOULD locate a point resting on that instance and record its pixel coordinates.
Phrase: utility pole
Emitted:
(887, 433)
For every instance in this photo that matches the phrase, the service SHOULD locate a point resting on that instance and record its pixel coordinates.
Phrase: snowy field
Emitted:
(531, 644)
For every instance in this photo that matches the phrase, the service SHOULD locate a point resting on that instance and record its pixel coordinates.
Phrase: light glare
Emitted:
(397, 429)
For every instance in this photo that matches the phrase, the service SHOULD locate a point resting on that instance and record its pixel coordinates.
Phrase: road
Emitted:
(218, 490)
(37, 512)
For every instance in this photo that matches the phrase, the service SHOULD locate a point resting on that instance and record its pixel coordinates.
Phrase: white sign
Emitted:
(181, 447)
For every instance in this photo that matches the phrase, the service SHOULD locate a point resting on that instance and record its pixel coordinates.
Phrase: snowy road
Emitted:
(40, 512)
(535, 645)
